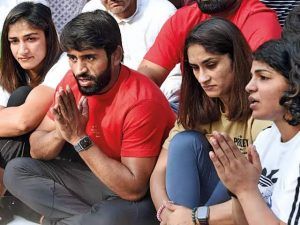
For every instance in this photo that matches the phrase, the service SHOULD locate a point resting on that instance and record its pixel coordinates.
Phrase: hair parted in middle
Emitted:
(38, 16)
(217, 36)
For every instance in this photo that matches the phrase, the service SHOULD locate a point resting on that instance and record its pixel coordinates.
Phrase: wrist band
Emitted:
(194, 215)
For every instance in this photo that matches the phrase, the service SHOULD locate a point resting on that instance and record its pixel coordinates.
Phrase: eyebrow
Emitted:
(26, 35)
(70, 55)
(261, 70)
(207, 60)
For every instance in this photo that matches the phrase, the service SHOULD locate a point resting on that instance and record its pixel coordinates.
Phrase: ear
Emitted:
(117, 56)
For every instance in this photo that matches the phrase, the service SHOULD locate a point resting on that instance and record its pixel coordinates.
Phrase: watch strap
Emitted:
(83, 144)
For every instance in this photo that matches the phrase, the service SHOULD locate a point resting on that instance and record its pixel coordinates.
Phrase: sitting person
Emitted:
(274, 159)
(217, 61)
(257, 22)
(117, 129)
(29, 49)
(137, 24)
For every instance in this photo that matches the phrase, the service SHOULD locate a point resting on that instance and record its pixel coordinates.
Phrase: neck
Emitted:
(32, 74)
(224, 105)
(114, 78)
(287, 131)
(129, 12)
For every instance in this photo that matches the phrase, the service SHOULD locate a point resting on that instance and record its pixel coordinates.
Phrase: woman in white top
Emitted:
(29, 48)
(274, 162)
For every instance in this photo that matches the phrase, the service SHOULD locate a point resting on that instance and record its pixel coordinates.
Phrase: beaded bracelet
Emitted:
(194, 215)
(160, 210)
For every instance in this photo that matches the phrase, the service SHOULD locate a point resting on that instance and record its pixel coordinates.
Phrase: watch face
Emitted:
(202, 214)
(85, 142)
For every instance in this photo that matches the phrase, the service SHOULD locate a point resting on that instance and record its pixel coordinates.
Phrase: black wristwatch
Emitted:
(202, 215)
(83, 144)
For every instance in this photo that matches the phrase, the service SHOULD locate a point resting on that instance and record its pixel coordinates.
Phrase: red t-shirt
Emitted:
(257, 22)
(132, 119)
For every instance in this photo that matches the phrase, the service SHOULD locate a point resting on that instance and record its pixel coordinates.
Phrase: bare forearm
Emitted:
(45, 145)
(155, 72)
(115, 175)
(158, 188)
(238, 213)
(221, 214)
(15, 121)
(256, 210)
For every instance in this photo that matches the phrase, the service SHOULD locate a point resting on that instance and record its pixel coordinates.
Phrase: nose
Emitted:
(202, 76)
(251, 86)
(80, 67)
(23, 49)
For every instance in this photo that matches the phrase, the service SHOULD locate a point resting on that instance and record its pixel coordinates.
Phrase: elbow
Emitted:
(24, 126)
(134, 195)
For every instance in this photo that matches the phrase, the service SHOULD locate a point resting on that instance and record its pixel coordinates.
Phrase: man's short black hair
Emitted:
(91, 30)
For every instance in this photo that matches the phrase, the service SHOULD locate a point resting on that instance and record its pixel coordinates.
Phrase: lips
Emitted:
(253, 102)
(208, 87)
(24, 59)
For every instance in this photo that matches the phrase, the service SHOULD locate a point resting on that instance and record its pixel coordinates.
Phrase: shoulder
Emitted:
(256, 8)
(157, 7)
(139, 88)
(190, 12)
(268, 133)
(57, 72)
(257, 126)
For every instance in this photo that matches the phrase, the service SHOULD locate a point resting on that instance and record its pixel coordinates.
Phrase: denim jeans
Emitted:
(191, 179)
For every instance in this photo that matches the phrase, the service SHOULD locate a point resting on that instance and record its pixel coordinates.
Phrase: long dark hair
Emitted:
(217, 36)
(12, 75)
(283, 56)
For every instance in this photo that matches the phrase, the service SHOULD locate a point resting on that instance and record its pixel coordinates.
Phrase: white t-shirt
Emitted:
(280, 179)
(4, 96)
(140, 30)
(57, 72)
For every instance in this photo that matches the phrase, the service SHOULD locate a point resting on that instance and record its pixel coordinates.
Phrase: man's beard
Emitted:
(100, 82)
(215, 6)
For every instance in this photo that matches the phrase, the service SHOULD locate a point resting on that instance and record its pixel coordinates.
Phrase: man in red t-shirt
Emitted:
(115, 118)
(257, 22)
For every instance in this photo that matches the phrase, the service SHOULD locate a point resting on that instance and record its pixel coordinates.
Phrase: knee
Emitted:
(13, 172)
(187, 142)
(103, 214)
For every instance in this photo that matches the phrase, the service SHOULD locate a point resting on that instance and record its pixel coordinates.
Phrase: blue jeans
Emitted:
(191, 179)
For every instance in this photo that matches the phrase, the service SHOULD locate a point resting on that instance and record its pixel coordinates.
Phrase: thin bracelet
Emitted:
(160, 210)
